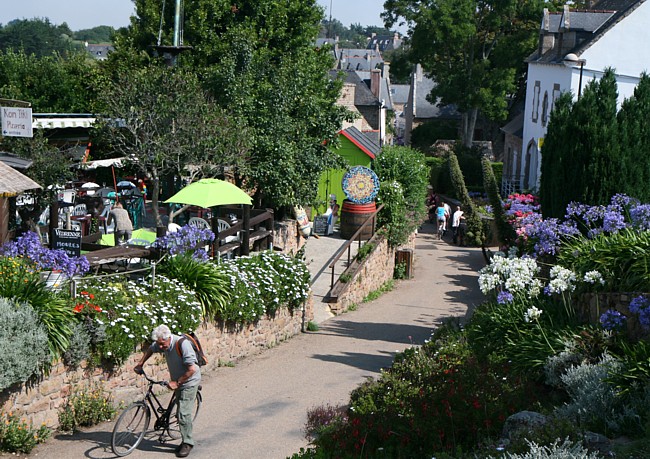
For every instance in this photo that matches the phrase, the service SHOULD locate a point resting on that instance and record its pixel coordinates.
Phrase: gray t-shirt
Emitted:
(178, 364)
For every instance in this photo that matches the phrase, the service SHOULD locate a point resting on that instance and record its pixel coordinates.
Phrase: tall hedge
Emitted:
(505, 232)
(475, 234)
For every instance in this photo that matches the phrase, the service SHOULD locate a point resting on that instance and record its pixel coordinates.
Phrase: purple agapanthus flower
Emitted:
(187, 239)
(28, 246)
(640, 216)
(640, 306)
(612, 320)
(505, 297)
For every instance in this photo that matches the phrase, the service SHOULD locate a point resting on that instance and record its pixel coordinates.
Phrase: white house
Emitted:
(575, 46)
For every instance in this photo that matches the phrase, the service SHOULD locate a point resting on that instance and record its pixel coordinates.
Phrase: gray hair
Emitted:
(161, 332)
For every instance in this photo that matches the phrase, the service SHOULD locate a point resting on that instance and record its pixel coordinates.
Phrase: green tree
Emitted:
(505, 232)
(100, 34)
(52, 84)
(634, 137)
(580, 156)
(258, 61)
(475, 233)
(557, 152)
(404, 176)
(163, 121)
(37, 36)
(473, 50)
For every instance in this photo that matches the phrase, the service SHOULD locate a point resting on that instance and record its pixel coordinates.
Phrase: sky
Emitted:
(86, 14)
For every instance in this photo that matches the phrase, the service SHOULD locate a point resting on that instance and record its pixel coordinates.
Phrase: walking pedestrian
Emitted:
(123, 225)
(456, 222)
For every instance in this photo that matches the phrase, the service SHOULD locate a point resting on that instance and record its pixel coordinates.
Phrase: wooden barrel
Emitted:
(353, 216)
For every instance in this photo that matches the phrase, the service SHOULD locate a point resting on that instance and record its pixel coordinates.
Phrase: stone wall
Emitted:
(592, 305)
(367, 275)
(40, 402)
(287, 237)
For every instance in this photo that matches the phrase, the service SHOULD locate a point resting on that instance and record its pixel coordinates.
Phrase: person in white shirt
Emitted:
(455, 224)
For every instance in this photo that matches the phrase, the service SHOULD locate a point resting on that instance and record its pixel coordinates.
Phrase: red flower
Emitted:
(78, 308)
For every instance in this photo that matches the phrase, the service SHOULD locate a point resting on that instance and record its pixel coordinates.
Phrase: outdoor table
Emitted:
(100, 257)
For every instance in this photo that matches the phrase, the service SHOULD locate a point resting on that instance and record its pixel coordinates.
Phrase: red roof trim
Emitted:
(361, 147)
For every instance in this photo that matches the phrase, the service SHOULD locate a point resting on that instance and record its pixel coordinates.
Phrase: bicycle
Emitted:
(133, 423)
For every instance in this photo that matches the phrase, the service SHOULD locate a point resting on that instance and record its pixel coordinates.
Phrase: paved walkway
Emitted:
(257, 409)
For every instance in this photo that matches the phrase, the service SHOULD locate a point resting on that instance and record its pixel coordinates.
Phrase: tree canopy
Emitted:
(164, 122)
(37, 36)
(474, 50)
(257, 60)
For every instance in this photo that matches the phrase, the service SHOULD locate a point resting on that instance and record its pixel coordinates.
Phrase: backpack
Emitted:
(201, 359)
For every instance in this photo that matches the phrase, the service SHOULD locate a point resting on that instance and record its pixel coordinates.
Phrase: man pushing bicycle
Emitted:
(185, 377)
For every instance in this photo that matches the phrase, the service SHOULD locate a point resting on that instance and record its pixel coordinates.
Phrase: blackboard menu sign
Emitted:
(67, 240)
(320, 224)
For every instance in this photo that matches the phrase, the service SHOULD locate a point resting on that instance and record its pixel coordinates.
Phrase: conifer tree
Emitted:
(634, 141)
(505, 232)
(475, 234)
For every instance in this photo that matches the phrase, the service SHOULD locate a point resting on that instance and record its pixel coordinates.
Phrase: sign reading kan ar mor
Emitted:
(16, 121)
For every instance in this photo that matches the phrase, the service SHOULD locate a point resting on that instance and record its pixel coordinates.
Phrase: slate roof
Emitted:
(385, 42)
(362, 95)
(399, 93)
(589, 26)
(366, 143)
(384, 94)
(424, 108)
(516, 126)
(359, 59)
(13, 182)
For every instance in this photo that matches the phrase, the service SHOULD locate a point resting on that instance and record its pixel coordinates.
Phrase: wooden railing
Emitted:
(356, 237)
(254, 230)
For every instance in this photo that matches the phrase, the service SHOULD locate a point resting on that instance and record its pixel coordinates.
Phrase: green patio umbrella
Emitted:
(210, 192)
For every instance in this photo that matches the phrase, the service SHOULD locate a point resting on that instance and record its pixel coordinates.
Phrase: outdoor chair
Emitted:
(198, 222)
(223, 225)
(79, 210)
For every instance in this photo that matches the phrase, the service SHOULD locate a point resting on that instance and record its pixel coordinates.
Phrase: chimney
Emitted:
(385, 70)
(418, 72)
(566, 18)
(375, 82)
(546, 39)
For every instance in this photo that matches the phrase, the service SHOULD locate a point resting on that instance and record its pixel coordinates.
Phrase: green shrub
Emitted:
(437, 397)
(78, 347)
(437, 167)
(345, 278)
(130, 310)
(264, 282)
(23, 343)
(210, 284)
(622, 258)
(545, 434)
(565, 450)
(20, 282)
(594, 403)
(86, 407)
(404, 176)
(365, 250)
(18, 436)
(400, 271)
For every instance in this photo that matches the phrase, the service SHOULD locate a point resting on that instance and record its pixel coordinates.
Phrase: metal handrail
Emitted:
(354, 237)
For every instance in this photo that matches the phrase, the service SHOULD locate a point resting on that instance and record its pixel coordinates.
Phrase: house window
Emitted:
(545, 109)
(556, 95)
(536, 102)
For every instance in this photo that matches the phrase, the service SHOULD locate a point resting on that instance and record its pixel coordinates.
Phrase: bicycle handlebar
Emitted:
(161, 383)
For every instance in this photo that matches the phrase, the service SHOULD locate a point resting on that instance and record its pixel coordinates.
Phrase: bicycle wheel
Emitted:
(173, 428)
(130, 428)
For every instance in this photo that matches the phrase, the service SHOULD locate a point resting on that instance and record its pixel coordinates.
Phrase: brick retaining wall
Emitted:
(368, 275)
(41, 401)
